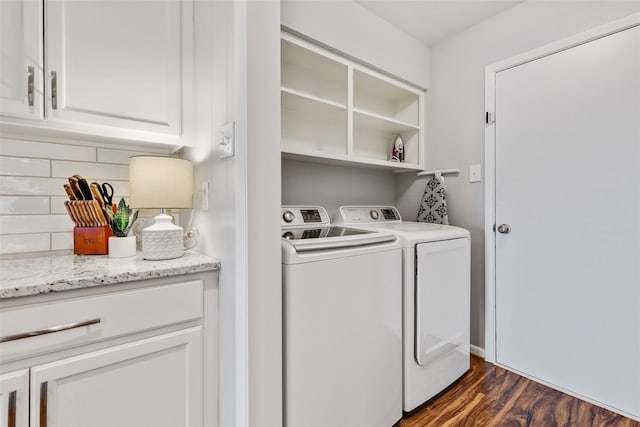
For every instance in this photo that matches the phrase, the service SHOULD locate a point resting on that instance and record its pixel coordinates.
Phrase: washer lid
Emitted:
(324, 238)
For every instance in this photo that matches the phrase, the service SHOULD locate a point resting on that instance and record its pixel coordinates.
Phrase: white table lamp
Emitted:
(159, 183)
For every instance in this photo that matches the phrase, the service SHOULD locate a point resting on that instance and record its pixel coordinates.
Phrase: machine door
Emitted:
(442, 299)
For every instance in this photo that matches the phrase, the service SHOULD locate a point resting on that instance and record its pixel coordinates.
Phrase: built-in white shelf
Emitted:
(336, 111)
(310, 97)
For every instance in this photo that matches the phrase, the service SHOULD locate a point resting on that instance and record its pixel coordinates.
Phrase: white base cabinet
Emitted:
(153, 382)
(140, 354)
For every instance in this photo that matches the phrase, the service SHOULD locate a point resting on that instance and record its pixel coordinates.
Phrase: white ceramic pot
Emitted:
(122, 247)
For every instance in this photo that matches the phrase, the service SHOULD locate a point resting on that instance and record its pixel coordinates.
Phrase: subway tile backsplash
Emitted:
(32, 214)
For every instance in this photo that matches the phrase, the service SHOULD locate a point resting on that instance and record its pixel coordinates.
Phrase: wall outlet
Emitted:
(475, 173)
(226, 140)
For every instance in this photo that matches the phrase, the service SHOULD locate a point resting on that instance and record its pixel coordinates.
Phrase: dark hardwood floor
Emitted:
(491, 396)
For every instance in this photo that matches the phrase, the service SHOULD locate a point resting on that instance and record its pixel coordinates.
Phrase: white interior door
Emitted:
(568, 183)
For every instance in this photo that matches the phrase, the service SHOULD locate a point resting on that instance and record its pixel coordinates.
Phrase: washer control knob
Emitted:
(288, 235)
(374, 214)
(288, 216)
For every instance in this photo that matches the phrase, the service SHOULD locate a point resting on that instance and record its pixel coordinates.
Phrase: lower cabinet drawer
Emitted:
(49, 326)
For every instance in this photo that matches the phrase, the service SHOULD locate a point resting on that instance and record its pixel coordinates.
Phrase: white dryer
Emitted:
(436, 298)
(342, 323)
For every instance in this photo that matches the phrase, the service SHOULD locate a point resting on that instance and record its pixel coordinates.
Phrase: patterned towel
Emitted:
(433, 207)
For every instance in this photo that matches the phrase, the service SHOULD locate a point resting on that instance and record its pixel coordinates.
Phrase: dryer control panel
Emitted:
(368, 214)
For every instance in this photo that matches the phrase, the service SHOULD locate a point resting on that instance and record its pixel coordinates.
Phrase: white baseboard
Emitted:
(477, 351)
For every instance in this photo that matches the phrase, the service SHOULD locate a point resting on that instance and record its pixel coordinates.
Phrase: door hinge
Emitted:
(490, 117)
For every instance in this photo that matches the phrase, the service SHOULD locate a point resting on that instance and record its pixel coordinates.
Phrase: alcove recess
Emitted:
(337, 111)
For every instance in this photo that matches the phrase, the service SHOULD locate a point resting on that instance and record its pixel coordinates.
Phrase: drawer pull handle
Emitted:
(43, 404)
(11, 418)
(49, 330)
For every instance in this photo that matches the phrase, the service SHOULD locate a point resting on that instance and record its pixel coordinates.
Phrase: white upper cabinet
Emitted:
(21, 63)
(115, 69)
(337, 111)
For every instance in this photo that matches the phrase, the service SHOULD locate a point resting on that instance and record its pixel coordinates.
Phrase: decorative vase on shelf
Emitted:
(121, 245)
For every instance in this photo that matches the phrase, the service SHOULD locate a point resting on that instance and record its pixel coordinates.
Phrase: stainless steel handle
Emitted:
(54, 90)
(43, 403)
(49, 330)
(504, 228)
(30, 85)
(11, 411)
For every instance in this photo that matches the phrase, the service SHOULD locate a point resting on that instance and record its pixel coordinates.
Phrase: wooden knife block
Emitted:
(91, 240)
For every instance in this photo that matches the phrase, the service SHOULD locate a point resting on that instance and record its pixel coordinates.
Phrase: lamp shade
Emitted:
(157, 182)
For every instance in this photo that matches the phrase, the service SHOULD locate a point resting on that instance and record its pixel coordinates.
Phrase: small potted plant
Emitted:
(120, 244)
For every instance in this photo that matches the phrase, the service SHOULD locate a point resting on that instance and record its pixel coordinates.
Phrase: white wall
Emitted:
(455, 107)
(263, 212)
(350, 28)
(32, 213)
(331, 186)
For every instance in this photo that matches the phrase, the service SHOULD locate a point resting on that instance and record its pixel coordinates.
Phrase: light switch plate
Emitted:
(205, 196)
(226, 140)
(475, 173)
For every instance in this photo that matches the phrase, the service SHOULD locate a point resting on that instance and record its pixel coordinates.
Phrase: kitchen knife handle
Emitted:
(84, 187)
(100, 214)
(54, 90)
(97, 195)
(71, 214)
(69, 191)
(82, 219)
(30, 85)
(73, 182)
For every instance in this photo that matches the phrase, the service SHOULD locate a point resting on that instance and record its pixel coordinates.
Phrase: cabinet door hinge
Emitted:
(490, 117)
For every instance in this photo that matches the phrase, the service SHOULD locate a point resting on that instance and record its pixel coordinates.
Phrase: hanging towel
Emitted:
(433, 207)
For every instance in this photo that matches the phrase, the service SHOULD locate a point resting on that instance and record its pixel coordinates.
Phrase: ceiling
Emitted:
(432, 20)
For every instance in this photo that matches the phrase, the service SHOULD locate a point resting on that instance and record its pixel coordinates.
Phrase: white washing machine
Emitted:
(436, 298)
(342, 323)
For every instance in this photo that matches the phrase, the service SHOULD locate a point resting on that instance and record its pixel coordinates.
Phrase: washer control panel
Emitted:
(368, 214)
(296, 216)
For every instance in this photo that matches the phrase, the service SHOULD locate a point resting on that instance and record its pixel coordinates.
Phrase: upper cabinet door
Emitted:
(115, 63)
(21, 63)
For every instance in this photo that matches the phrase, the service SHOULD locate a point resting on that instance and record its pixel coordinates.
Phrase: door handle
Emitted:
(43, 404)
(30, 85)
(54, 90)
(504, 228)
(11, 413)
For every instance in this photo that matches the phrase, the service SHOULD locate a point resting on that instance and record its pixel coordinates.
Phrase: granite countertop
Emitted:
(43, 274)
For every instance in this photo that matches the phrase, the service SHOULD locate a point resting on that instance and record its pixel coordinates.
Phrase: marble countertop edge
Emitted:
(45, 274)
